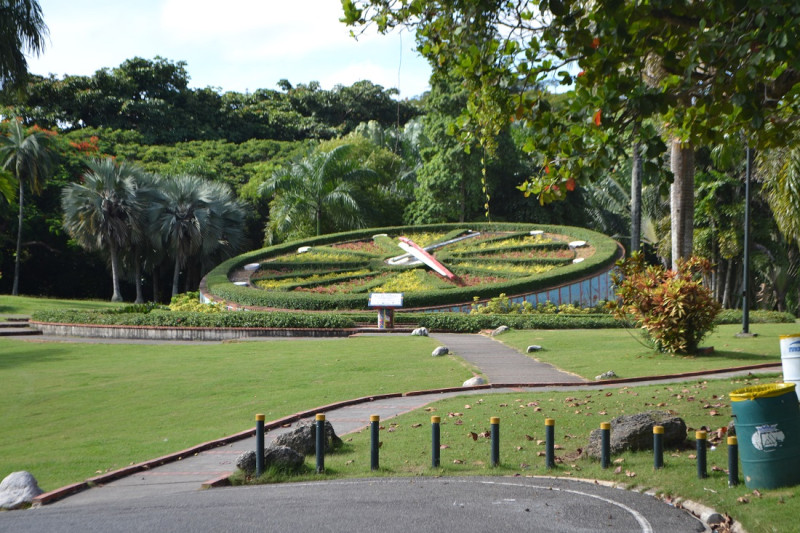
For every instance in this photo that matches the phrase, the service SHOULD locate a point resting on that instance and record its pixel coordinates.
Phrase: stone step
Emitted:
(18, 331)
(14, 324)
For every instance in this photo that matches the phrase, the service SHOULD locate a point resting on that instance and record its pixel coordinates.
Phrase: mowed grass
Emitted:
(589, 352)
(27, 305)
(465, 445)
(71, 410)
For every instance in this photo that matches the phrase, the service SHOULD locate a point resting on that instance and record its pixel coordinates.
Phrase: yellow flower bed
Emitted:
(408, 281)
(517, 269)
(272, 284)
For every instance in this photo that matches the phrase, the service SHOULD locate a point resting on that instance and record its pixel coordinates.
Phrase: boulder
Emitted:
(303, 438)
(534, 348)
(281, 457)
(246, 462)
(635, 432)
(472, 382)
(420, 332)
(441, 350)
(498, 331)
(18, 489)
(606, 375)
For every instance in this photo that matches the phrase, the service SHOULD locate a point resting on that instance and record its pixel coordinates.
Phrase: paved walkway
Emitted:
(500, 363)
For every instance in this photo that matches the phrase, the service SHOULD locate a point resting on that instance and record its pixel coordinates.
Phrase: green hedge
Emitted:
(249, 319)
(734, 316)
(453, 322)
(218, 285)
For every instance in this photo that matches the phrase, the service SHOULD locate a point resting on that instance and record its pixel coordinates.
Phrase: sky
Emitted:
(230, 45)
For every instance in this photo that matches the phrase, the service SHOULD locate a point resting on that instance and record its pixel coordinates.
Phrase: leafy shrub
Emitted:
(675, 309)
(503, 305)
(250, 319)
(190, 301)
(467, 323)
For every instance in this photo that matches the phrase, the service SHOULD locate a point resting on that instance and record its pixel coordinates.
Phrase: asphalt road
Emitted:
(388, 505)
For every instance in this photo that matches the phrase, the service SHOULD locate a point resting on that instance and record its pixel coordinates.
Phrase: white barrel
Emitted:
(790, 360)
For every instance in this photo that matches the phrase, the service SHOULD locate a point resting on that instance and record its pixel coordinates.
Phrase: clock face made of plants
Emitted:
(434, 264)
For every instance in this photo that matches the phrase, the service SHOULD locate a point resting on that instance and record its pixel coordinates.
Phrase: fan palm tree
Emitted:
(104, 212)
(196, 219)
(315, 191)
(27, 156)
(22, 29)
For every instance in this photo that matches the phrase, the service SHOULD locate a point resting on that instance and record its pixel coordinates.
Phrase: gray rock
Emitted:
(18, 489)
(281, 457)
(606, 375)
(303, 438)
(420, 332)
(471, 382)
(246, 462)
(441, 350)
(498, 331)
(534, 348)
(635, 432)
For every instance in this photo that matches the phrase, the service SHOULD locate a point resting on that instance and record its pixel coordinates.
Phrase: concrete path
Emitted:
(500, 363)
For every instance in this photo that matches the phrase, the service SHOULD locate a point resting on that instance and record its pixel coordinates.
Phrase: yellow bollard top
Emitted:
(658, 430)
(374, 418)
(321, 417)
(605, 425)
(732, 441)
(494, 420)
(549, 421)
(436, 419)
(260, 418)
(700, 435)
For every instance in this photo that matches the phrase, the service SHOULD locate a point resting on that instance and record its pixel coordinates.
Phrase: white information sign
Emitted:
(386, 299)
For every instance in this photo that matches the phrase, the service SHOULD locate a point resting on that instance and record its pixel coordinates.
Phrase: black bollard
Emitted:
(374, 427)
(495, 422)
(320, 443)
(658, 447)
(733, 461)
(605, 444)
(702, 472)
(549, 445)
(259, 444)
(435, 446)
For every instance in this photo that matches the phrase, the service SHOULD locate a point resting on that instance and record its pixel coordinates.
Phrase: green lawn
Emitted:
(71, 410)
(26, 305)
(465, 426)
(589, 353)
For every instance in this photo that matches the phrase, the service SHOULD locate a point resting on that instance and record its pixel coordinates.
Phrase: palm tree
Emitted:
(316, 190)
(103, 213)
(27, 156)
(196, 219)
(21, 29)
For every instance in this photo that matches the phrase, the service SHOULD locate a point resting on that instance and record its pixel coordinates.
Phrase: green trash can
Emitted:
(768, 430)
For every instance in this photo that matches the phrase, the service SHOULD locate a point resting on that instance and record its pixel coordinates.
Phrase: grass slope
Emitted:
(27, 305)
(71, 410)
(589, 353)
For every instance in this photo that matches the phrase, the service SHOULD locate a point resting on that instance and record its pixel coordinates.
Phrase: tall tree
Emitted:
(27, 155)
(104, 212)
(711, 68)
(22, 30)
(194, 219)
(315, 192)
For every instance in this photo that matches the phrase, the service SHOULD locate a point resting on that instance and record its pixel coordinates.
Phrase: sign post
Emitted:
(386, 303)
